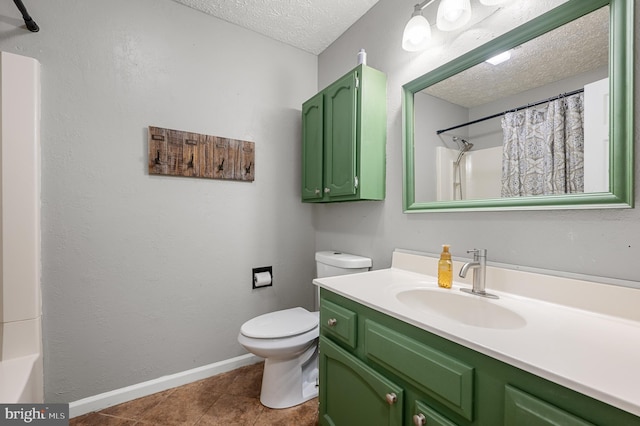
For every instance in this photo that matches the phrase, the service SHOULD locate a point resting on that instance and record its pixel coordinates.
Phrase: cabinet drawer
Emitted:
(520, 408)
(339, 323)
(434, 373)
(424, 415)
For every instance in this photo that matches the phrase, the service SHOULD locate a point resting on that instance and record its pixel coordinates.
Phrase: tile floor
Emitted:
(228, 399)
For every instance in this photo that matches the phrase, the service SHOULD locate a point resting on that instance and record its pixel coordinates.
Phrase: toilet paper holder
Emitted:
(259, 277)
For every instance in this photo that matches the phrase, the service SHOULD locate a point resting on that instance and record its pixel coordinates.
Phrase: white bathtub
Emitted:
(21, 380)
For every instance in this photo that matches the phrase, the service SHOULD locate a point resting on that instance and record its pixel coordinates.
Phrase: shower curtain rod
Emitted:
(553, 98)
(28, 21)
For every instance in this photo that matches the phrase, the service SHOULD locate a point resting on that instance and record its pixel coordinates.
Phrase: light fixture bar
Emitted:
(422, 5)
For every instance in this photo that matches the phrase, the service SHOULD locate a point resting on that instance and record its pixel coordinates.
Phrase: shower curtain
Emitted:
(543, 149)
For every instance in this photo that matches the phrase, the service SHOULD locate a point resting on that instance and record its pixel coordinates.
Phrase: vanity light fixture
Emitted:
(453, 14)
(417, 32)
(499, 58)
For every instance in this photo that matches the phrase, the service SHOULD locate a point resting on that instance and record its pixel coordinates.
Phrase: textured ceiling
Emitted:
(311, 25)
(580, 46)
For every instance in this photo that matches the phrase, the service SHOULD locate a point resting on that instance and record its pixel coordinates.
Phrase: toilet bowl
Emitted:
(288, 340)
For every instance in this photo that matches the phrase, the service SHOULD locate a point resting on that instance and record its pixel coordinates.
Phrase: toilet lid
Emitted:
(286, 323)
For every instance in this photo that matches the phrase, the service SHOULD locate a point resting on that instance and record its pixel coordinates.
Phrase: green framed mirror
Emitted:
(457, 118)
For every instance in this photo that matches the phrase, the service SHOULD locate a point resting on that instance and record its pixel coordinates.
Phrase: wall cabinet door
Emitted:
(354, 394)
(312, 148)
(340, 136)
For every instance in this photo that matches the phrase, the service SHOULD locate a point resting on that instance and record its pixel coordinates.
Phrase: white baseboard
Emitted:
(129, 393)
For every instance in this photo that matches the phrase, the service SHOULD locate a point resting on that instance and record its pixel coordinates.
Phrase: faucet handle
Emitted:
(478, 253)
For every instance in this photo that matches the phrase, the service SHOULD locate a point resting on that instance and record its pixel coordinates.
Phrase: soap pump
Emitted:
(445, 268)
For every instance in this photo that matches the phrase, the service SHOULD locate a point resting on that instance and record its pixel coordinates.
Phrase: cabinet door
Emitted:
(522, 409)
(435, 373)
(341, 114)
(352, 394)
(312, 142)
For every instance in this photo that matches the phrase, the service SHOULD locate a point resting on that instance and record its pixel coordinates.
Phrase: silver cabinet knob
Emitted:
(332, 322)
(391, 398)
(317, 191)
(419, 420)
(327, 190)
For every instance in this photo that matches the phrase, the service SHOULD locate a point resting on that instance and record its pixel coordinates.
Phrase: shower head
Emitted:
(466, 145)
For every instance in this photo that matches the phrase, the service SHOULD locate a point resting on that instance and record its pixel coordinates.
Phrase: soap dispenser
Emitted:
(445, 268)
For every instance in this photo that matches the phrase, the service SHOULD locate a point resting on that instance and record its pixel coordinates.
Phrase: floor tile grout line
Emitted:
(195, 423)
(99, 413)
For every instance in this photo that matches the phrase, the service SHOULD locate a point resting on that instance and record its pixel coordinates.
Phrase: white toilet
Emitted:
(288, 340)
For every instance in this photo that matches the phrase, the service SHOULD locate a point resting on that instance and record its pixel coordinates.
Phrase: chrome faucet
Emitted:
(479, 266)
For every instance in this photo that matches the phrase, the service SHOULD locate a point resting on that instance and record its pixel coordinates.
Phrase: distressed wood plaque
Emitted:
(180, 153)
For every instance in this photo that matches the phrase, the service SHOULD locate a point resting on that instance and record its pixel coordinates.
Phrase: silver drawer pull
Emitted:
(419, 420)
(332, 322)
(391, 398)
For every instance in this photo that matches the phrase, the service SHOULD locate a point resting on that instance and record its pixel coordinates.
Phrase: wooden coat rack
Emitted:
(180, 153)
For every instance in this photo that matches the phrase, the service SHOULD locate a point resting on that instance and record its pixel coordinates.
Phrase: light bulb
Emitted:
(417, 34)
(492, 2)
(453, 14)
(500, 58)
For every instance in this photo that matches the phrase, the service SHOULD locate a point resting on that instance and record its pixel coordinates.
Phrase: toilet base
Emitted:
(289, 382)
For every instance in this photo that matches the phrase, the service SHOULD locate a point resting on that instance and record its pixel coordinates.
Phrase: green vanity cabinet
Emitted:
(344, 132)
(378, 370)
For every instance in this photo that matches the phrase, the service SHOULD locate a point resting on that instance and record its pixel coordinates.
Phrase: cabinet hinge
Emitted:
(355, 182)
(357, 81)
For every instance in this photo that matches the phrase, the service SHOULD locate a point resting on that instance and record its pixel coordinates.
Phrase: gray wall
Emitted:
(144, 276)
(596, 242)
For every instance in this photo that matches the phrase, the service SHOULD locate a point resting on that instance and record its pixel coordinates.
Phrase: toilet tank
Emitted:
(332, 263)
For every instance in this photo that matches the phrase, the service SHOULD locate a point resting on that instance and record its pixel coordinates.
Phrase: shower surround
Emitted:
(20, 301)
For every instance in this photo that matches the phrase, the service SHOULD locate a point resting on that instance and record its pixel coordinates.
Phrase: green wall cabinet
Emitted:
(344, 133)
(378, 370)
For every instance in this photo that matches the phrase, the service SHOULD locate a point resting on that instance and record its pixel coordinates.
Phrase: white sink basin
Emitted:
(465, 308)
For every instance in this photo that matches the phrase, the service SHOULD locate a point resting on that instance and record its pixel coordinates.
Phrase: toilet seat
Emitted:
(279, 324)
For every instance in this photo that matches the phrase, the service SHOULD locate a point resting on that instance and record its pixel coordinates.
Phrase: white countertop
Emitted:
(592, 353)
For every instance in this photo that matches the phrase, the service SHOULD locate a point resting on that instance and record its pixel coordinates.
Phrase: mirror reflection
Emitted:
(535, 123)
